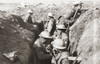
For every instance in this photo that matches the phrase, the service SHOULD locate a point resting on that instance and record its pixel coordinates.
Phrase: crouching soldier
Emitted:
(61, 33)
(40, 50)
(60, 54)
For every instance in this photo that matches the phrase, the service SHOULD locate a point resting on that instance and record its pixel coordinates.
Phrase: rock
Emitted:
(11, 56)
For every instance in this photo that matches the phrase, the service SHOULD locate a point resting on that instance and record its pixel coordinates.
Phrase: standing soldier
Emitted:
(28, 18)
(60, 54)
(40, 50)
(50, 25)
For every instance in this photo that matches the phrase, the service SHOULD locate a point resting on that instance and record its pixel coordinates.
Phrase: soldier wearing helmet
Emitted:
(50, 25)
(40, 50)
(71, 14)
(28, 18)
(61, 33)
(77, 8)
(60, 54)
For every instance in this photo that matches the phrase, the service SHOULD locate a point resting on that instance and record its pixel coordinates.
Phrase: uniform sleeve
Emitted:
(36, 42)
(53, 60)
(65, 61)
(54, 35)
(45, 24)
(39, 52)
(41, 55)
(50, 26)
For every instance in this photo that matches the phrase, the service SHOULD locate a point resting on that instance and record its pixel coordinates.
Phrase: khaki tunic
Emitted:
(70, 16)
(41, 56)
(60, 58)
(51, 26)
(63, 36)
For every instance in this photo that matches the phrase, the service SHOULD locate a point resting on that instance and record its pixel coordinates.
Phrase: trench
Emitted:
(17, 41)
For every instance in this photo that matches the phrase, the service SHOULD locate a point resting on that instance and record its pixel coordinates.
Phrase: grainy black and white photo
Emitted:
(49, 32)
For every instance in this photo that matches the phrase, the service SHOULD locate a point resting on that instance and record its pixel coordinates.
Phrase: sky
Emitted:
(39, 1)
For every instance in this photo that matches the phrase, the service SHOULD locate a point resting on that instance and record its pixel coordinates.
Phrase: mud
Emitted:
(15, 35)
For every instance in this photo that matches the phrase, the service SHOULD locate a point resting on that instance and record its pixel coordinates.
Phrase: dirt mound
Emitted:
(15, 35)
(84, 37)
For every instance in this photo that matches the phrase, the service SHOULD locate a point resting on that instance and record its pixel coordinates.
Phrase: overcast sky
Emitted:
(39, 1)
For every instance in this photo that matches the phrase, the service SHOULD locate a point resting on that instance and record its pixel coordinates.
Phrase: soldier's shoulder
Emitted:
(37, 43)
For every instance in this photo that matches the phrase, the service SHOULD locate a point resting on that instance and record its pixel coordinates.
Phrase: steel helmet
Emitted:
(60, 26)
(50, 14)
(45, 34)
(59, 44)
(30, 11)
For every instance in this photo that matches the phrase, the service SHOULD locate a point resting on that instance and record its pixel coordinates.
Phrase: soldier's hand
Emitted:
(53, 61)
(70, 28)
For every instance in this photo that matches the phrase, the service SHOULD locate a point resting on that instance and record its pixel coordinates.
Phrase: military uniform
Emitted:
(28, 19)
(63, 21)
(40, 49)
(50, 24)
(60, 54)
(61, 58)
(41, 56)
(59, 33)
(63, 36)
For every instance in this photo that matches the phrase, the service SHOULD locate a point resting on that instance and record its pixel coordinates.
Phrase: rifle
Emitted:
(69, 26)
(58, 19)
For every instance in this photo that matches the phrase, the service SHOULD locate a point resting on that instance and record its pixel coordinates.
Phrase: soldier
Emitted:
(50, 25)
(77, 9)
(28, 18)
(61, 33)
(40, 50)
(60, 54)
(71, 14)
